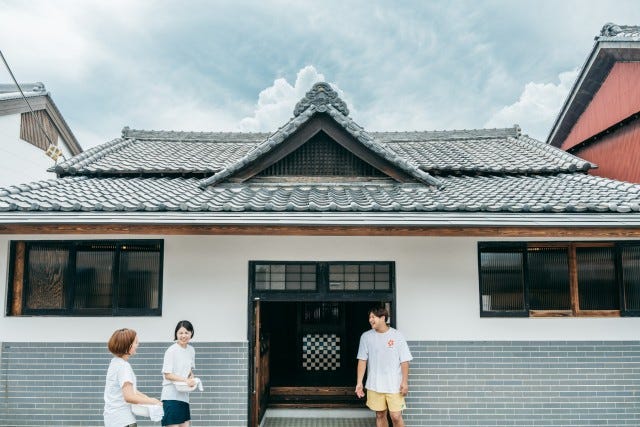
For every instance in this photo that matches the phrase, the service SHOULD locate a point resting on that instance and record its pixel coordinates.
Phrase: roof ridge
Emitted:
(149, 134)
(453, 134)
(611, 31)
(143, 134)
(36, 87)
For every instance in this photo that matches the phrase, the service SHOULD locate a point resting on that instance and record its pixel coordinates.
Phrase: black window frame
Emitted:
(74, 246)
(322, 291)
(572, 247)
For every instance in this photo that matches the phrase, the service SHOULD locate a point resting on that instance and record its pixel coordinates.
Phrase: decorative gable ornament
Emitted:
(54, 152)
(320, 95)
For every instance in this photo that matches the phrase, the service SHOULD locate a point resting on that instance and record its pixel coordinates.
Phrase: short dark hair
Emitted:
(121, 341)
(183, 324)
(380, 312)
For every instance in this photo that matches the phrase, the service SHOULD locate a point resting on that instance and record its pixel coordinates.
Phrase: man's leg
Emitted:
(381, 419)
(396, 419)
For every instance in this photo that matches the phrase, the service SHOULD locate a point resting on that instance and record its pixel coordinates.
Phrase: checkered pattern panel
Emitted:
(321, 352)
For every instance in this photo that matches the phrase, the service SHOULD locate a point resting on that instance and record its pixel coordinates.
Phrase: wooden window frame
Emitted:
(18, 274)
(571, 247)
(322, 291)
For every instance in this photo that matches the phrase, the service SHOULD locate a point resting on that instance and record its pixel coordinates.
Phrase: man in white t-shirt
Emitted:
(384, 354)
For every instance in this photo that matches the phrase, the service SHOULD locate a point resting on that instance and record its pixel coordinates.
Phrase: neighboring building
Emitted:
(600, 119)
(25, 151)
(513, 273)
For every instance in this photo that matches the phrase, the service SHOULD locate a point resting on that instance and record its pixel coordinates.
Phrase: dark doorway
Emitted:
(312, 351)
(314, 343)
(304, 327)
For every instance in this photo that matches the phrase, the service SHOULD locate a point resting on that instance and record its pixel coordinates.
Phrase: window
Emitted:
(361, 276)
(285, 277)
(559, 279)
(322, 276)
(92, 278)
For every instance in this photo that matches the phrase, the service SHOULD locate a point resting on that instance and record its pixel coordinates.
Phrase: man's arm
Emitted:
(362, 367)
(404, 385)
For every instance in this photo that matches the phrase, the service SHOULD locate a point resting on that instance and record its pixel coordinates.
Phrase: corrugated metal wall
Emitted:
(617, 154)
(617, 99)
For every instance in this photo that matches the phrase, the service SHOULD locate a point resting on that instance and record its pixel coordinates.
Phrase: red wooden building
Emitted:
(600, 119)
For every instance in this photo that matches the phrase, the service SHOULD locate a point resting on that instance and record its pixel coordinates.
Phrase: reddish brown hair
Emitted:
(121, 341)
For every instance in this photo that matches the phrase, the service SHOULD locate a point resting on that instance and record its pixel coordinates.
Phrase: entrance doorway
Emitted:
(307, 353)
(305, 322)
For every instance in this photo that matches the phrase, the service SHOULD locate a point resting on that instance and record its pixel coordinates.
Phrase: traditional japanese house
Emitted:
(513, 273)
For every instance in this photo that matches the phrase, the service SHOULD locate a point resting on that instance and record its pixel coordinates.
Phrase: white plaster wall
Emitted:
(20, 162)
(205, 281)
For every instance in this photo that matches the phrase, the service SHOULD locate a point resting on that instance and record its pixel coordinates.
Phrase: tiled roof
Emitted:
(154, 156)
(490, 171)
(510, 155)
(207, 153)
(491, 193)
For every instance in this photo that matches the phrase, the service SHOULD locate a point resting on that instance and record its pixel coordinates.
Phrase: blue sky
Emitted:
(242, 66)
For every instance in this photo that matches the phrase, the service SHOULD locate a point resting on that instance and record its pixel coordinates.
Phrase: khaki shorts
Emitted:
(394, 402)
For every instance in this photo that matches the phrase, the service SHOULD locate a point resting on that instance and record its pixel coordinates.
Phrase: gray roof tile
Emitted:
(208, 153)
(491, 193)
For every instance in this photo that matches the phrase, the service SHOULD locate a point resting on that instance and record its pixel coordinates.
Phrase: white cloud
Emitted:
(63, 40)
(538, 106)
(276, 103)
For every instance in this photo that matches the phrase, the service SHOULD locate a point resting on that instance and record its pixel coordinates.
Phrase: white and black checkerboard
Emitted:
(321, 352)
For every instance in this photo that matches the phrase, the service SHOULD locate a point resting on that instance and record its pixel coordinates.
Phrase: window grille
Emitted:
(97, 278)
(559, 278)
(321, 156)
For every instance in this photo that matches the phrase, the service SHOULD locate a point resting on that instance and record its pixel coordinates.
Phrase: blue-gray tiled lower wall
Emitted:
(61, 384)
(452, 383)
(524, 384)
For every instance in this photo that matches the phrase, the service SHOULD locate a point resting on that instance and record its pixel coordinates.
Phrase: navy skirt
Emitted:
(175, 412)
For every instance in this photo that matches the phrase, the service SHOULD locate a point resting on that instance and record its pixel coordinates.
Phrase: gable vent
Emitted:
(321, 156)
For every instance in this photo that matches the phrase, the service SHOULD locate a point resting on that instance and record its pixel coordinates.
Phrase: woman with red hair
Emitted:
(120, 389)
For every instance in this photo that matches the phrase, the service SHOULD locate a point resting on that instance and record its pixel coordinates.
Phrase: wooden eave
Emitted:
(171, 229)
(320, 122)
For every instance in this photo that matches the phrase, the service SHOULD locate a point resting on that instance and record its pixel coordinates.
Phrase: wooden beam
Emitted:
(573, 280)
(321, 230)
(18, 279)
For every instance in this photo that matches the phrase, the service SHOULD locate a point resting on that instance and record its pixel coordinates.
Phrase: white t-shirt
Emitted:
(178, 361)
(384, 352)
(117, 412)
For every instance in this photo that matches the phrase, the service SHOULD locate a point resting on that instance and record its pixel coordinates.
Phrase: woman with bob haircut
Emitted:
(179, 363)
(120, 389)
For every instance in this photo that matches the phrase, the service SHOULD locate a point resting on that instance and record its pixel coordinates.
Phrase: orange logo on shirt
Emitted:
(390, 343)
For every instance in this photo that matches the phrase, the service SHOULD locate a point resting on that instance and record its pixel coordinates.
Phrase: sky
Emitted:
(242, 65)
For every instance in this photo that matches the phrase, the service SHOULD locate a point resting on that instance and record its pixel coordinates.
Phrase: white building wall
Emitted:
(20, 162)
(206, 282)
